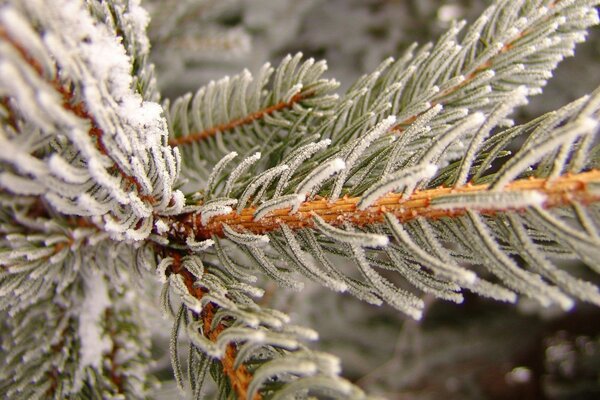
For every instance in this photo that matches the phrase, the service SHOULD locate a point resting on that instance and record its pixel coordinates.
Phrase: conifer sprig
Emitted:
(274, 175)
(436, 203)
(247, 113)
(522, 184)
(239, 377)
(251, 344)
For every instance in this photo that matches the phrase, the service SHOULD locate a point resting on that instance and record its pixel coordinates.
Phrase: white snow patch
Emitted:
(94, 342)
(161, 226)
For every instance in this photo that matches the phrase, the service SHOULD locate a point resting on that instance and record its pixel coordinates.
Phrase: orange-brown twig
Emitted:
(564, 190)
(248, 119)
(240, 377)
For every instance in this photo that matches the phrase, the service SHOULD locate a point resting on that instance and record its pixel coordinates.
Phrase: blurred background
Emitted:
(476, 350)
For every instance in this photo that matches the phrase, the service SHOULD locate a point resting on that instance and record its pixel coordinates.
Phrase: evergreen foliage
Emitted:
(274, 176)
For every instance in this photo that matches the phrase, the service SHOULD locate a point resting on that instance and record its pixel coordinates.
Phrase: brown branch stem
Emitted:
(248, 119)
(240, 377)
(564, 190)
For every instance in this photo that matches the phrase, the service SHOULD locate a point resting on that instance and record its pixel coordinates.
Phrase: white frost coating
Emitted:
(491, 290)
(204, 344)
(350, 237)
(302, 332)
(511, 273)
(292, 92)
(194, 264)
(490, 200)
(67, 172)
(526, 157)
(540, 264)
(138, 171)
(218, 169)
(295, 159)
(312, 270)
(12, 81)
(239, 170)
(93, 207)
(403, 179)
(209, 212)
(176, 280)
(287, 365)
(357, 150)
(419, 127)
(18, 28)
(269, 206)
(161, 268)
(329, 364)
(318, 175)
(20, 185)
(235, 334)
(466, 126)
(138, 234)
(137, 19)
(515, 98)
(396, 297)
(244, 238)
(178, 201)
(94, 342)
(284, 278)
(133, 132)
(264, 179)
(443, 267)
(161, 226)
(250, 290)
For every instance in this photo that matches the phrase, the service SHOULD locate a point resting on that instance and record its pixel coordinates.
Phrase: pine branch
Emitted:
(510, 45)
(239, 377)
(487, 65)
(78, 108)
(368, 228)
(127, 23)
(376, 177)
(95, 148)
(259, 352)
(244, 113)
(237, 123)
(563, 191)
